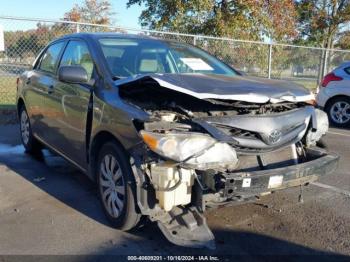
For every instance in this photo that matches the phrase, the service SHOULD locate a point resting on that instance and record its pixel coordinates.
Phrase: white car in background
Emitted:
(334, 95)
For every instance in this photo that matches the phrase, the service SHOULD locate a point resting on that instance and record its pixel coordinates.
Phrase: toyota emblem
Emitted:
(275, 136)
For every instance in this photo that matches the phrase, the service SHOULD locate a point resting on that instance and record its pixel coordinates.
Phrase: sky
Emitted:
(55, 9)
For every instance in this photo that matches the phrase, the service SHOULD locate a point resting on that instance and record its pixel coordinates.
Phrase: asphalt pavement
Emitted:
(49, 207)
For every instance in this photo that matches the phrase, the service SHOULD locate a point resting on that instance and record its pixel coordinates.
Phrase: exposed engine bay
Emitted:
(208, 152)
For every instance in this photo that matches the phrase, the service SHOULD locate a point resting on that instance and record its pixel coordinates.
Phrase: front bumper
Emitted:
(247, 184)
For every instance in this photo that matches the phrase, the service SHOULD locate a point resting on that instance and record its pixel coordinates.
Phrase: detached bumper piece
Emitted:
(246, 184)
(187, 227)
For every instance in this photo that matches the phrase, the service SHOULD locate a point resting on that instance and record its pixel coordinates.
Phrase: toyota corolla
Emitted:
(167, 130)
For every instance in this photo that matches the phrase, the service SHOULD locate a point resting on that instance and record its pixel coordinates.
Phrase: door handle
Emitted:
(50, 90)
(28, 81)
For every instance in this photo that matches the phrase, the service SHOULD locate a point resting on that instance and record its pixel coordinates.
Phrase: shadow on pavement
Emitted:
(230, 246)
(57, 178)
(339, 128)
(74, 189)
(71, 187)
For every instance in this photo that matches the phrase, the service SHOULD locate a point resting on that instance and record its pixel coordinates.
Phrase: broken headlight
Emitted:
(221, 155)
(176, 146)
(196, 150)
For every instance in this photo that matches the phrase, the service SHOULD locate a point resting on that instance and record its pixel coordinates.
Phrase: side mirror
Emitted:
(72, 74)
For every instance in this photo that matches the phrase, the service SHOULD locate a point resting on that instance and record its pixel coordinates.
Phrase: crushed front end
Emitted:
(207, 153)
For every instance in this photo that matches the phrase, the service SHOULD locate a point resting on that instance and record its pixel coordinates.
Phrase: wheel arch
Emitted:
(97, 142)
(329, 101)
(20, 103)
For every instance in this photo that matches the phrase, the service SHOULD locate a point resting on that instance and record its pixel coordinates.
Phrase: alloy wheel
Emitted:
(25, 127)
(340, 112)
(112, 185)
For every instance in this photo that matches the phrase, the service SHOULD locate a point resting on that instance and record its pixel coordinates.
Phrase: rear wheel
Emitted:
(29, 142)
(115, 183)
(338, 110)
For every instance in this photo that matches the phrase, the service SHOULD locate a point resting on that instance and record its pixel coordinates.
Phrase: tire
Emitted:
(114, 175)
(338, 111)
(31, 145)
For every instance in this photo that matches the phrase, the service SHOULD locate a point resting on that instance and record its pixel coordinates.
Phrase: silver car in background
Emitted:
(334, 95)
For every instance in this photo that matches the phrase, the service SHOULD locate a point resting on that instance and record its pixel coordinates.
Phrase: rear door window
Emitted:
(347, 70)
(50, 57)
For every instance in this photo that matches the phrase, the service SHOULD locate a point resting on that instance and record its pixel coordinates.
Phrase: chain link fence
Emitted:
(24, 38)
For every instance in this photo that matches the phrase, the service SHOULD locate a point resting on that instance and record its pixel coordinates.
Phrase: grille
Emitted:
(236, 132)
(255, 134)
(241, 134)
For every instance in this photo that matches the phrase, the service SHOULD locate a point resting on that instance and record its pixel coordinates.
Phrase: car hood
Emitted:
(239, 88)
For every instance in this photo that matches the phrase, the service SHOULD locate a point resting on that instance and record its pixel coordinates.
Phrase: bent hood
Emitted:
(239, 88)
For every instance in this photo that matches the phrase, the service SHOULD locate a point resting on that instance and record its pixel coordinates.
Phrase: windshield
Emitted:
(129, 57)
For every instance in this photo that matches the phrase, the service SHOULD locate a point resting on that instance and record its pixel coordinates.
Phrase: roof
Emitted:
(108, 34)
(96, 36)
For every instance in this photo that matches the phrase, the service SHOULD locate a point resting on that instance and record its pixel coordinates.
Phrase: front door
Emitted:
(69, 128)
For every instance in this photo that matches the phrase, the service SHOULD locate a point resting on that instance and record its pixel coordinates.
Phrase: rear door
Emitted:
(346, 77)
(39, 83)
(341, 87)
(72, 101)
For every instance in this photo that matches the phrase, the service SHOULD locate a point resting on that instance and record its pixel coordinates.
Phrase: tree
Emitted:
(92, 11)
(238, 19)
(344, 40)
(244, 19)
(320, 22)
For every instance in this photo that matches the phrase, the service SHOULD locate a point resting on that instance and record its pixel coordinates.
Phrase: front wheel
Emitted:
(338, 110)
(115, 183)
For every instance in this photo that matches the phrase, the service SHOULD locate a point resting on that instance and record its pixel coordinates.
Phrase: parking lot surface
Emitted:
(49, 207)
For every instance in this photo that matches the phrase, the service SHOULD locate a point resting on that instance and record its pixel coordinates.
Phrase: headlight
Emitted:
(177, 147)
(221, 155)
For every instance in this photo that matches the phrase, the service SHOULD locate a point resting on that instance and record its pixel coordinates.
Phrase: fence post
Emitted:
(194, 40)
(325, 63)
(269, 61)
(78, 28)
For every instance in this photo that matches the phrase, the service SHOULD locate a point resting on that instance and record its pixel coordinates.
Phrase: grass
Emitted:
(7, 91)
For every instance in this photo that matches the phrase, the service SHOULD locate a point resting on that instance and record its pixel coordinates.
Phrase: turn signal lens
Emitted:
(151, 141)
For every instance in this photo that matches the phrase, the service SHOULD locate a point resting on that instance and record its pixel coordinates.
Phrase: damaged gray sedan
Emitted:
(167, 130)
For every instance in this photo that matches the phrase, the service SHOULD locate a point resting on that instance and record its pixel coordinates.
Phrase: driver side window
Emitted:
(77, 53)
(50, 57)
